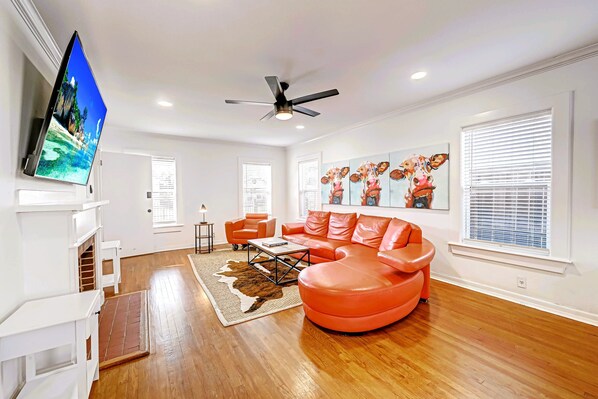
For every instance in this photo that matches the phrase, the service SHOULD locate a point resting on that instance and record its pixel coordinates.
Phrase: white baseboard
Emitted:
(545, 306)
(185, 246)
(174, 248)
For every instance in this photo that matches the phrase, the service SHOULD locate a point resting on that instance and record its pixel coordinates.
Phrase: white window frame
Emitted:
(255, 161)
(167, 226)
(559, 253)
(308, 158)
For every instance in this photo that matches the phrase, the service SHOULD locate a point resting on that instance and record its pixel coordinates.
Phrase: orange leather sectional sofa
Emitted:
(370, 271)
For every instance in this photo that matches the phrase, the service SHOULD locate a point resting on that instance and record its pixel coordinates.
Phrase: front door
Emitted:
(126, 182)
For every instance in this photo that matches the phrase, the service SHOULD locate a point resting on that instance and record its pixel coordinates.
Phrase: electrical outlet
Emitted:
(521, 282)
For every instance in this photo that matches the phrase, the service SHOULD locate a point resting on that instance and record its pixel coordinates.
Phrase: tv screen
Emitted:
(69, 136)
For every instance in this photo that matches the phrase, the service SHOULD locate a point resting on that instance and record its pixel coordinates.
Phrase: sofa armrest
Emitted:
(233, 225)
(292, 228)
(266, 228)
(410, 258)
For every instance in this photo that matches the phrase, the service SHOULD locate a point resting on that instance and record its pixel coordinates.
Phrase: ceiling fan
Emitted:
(283, 108)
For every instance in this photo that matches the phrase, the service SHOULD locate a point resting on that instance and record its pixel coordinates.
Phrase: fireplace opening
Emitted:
(87, 265)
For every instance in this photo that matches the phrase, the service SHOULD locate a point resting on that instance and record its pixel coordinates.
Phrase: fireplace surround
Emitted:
(60, 238)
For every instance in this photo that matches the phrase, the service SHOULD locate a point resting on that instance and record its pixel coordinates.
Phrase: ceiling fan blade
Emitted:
(247, 102)
(315, 96)
(305, 111)
(276, 88)
(268, 115)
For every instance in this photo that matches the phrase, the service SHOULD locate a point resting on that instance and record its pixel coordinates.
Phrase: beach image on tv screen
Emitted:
(76, 123)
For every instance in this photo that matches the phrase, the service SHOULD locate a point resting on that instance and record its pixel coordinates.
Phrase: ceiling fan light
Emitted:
(284, 115)
(284, 112)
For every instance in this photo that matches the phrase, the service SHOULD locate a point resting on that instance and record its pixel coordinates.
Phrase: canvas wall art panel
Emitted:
(369, 181)
(335, 183)
(419, 178)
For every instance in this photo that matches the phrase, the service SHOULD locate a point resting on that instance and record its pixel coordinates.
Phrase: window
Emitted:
(257, 188)
(507, 174)
(164, 191)
(308, 186)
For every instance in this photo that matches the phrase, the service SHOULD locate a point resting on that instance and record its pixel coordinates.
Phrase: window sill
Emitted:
(168, 228)
(538, 262)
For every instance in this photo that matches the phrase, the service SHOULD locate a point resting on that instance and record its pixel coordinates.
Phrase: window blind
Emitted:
(507, 171)
(257, 188)
(308, 186)
(164, 190)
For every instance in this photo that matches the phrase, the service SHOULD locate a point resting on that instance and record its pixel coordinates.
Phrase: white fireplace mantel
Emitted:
(75, 206)
(53, 225)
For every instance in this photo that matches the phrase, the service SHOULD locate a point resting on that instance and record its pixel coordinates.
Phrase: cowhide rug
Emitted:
(237, 291)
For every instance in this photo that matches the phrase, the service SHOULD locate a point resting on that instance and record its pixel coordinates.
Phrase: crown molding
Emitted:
(545, 65)
(36, 25)
(44, 38)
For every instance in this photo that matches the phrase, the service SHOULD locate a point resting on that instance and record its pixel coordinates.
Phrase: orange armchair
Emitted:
(254, 225)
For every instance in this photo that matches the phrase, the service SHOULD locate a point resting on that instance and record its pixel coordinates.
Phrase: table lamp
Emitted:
(203, 210)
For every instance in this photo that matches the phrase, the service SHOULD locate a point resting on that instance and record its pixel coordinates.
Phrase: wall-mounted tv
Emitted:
(66, 145)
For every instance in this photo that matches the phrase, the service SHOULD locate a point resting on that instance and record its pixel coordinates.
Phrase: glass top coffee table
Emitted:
(277, 255)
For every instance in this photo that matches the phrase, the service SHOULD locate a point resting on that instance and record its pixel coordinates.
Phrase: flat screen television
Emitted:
(65, 147)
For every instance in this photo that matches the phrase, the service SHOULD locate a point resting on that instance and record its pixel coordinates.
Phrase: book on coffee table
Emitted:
(276, 242)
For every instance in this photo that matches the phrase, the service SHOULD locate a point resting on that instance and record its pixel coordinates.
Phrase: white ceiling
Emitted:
(197, 53)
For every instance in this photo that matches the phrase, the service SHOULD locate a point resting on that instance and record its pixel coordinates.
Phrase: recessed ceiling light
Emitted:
(419, 75)
(164, 103)
(300, 127)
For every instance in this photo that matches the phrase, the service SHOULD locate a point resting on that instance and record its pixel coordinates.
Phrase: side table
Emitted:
(68, 320)
(111, 251)
(204, 231)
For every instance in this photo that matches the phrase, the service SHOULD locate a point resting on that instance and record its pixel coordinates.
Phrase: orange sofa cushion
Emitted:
(245, 233)
(356, 250)
(341, 226)
(324, 247)
(300, 238)
(396, 236)
(317, 223)
(370, 230)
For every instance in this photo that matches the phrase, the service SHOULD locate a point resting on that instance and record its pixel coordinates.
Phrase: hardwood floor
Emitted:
(461, 344)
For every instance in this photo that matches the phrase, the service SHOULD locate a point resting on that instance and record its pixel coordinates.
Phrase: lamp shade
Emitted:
(203, 211)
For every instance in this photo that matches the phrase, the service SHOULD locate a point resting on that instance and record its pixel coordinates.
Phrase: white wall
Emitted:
(573, 293)
(24, 94)
(207, 173)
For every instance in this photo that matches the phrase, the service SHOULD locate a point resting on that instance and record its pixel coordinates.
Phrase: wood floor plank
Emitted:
(462, 344)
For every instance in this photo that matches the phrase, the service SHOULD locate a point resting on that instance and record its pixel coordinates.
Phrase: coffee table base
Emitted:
(276, 259)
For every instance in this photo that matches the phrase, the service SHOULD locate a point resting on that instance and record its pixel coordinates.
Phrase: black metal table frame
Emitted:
(277, 259)
(209, 236)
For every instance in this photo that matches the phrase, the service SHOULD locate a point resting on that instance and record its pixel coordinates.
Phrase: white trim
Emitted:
(85, 237)
(74, 206)
(168, 228)
(317, 156)
(40, 31)
(568, 58)
(545, 306)
(562, 138)
(36, 25)
(255, 161)
(177, 210)
(174, 248)
(500, 255)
